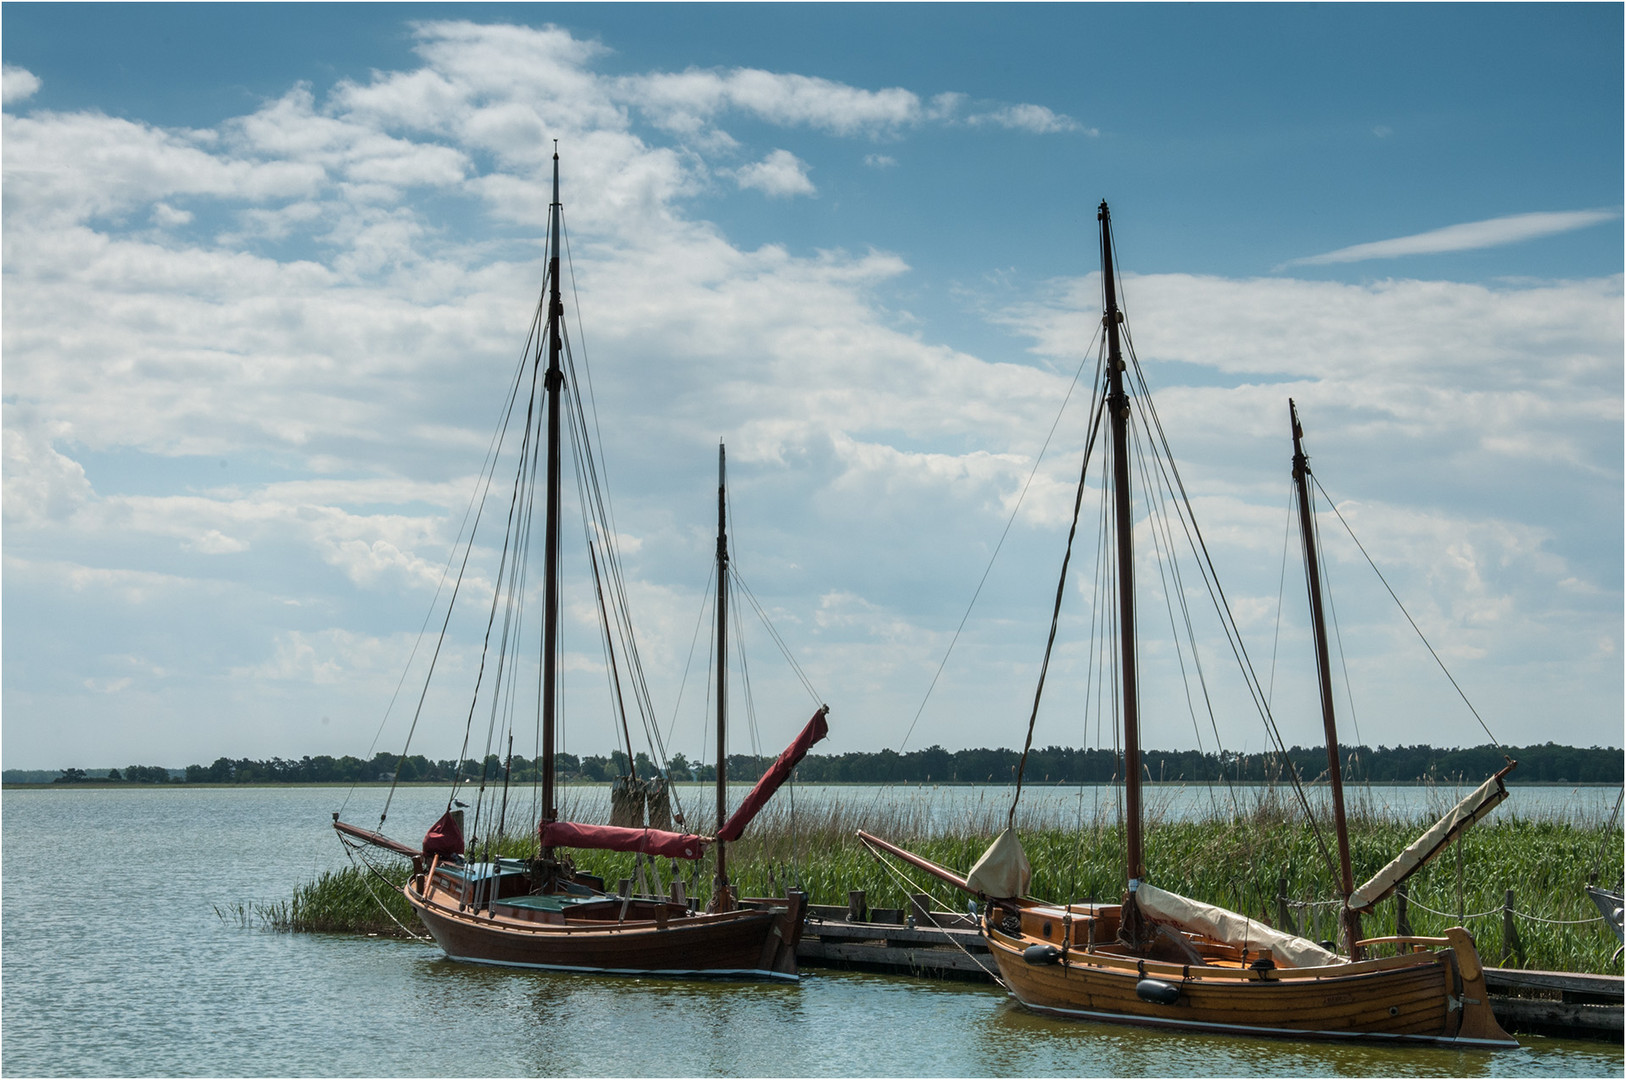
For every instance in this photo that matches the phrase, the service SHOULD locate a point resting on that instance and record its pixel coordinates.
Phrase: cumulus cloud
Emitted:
(303, 319)
(780, 175)
(1471, 236)
(17, 84)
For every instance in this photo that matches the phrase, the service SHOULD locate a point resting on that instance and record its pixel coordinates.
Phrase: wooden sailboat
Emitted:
(540, 912)
(1163, 960)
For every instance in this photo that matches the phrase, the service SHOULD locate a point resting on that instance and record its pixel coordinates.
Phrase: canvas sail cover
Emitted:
(1288, 950)
(613, 838)
(816, 729)
(1425, 847)
(1003, 871)
(445, 836)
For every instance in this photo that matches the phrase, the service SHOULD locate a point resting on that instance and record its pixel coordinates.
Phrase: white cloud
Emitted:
(1035, 119)
(1470, 236)
(40, 484)
(354, 280)
(780, 175)
(685, 101)
(17, 84)
(168, 217)
(880, 161)
(215, 542)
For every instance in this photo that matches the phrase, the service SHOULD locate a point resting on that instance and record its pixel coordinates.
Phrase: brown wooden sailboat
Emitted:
(539, 912)
(1163, 960)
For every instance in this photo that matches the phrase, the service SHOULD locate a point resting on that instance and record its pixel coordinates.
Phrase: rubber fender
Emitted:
(1041, 955)
(1157, 992)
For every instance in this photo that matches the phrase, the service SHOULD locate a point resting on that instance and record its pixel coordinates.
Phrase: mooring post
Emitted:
(1511, 946)
(856, 911)
(1284, 917)
(1402, 918)
(920, 906)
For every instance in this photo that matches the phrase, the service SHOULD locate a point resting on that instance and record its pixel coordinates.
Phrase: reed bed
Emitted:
(1235, 858)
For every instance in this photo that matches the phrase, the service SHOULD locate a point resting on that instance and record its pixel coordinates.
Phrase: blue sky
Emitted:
(266, 268)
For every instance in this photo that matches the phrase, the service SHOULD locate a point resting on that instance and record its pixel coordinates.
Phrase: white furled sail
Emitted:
(1288, 950)
(1483, 800)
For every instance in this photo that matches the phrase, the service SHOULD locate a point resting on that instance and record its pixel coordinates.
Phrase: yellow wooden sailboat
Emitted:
(1160, 959)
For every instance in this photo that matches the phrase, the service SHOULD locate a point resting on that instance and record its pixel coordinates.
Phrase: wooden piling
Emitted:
(1284, 915)
(1511, 945)
(920, 909)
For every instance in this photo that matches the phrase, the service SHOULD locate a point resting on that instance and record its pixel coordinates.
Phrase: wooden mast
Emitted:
(721, 900)
(550, 633)
(1312, 571)
(1118, 406)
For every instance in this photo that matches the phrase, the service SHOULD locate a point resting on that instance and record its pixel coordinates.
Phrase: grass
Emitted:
(1234, 859)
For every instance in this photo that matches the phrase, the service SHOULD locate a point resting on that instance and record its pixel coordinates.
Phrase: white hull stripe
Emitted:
(1249, 1029)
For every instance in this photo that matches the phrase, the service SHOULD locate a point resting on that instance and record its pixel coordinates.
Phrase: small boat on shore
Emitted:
(540, 912)
(1163, 960)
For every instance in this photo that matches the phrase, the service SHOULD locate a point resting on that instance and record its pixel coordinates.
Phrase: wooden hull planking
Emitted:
(655, 938)
(1435, 997)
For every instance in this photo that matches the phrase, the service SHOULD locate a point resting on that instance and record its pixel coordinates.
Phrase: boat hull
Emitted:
(1428, 997)
(752, 942)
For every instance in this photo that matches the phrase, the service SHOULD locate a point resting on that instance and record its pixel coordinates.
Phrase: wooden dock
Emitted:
(947, 945)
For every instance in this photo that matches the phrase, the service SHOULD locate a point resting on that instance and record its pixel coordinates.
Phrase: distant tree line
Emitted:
(1546, 763)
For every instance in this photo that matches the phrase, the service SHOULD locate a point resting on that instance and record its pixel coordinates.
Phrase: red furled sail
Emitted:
(816, 729)
(445, 837)
(618, 838)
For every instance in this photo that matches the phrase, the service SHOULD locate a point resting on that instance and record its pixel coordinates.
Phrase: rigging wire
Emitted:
(1216, 591)
(762, 615)
(1005, 533)
(1055, 616)
(1281, 592)
(688, 664)
(1163, 540)
(1332, 611)
(1403, 611)
(477, 503)
(505, 568)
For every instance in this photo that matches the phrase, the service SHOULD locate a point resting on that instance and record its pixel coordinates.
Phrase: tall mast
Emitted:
(1118, 406)
(720, 898)
(550, 634)
(1312, 572)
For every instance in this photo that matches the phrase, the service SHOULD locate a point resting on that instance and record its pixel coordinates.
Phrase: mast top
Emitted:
(1301, 460)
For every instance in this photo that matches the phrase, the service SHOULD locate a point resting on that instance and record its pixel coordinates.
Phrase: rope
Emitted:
(1406, 613)
(353, 850)
(762, 615)
(1055, 615)
(1310, 903)
(1559, 922)
(1002, 536)
(1414, 902)
(908, 885)
(1186, 515)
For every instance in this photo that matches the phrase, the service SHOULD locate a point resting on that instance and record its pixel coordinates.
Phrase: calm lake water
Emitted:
(116, 963)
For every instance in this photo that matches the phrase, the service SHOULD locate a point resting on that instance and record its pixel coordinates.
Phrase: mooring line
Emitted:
(908, 884)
